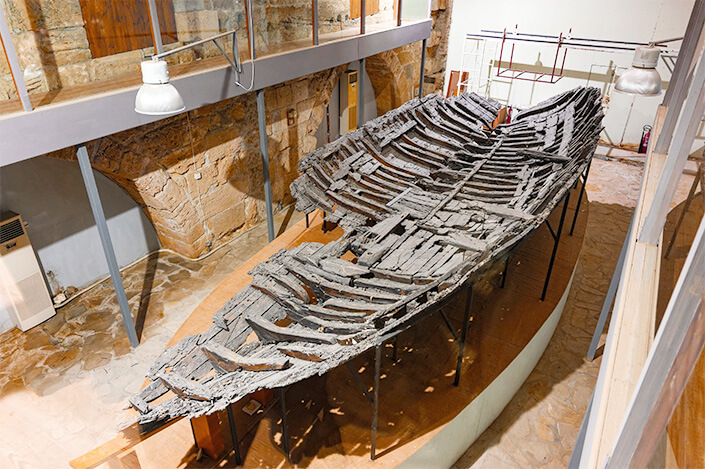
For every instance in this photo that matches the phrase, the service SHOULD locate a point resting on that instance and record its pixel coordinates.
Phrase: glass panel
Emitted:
(195, 20)
(414, 10)
(281, 26)
(381, 14)
(338, 19)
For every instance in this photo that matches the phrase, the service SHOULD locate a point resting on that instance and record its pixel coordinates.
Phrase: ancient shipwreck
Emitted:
(429, 195)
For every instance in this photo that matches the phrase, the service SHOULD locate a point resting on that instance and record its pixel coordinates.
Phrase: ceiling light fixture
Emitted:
(641, 78)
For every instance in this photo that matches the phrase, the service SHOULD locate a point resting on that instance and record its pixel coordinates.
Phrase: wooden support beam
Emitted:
(208, 434)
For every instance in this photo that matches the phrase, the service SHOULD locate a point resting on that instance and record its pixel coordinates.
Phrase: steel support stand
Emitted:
(611, 293)
(233, 434)
(686, 206)
(89, 180)
(555, 245)
(375, 404)
(307, 224)
(448, 324)
(580, 198)
(423, 67)
(394, 349)
(359, 382)
(264, 150)
(363, 14)
(360, 93)
(463, 336)
(504, 272)
(285, 426)
(323, 224)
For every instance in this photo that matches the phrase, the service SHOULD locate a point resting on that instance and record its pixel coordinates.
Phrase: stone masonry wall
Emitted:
(157, 163)
(395, 73)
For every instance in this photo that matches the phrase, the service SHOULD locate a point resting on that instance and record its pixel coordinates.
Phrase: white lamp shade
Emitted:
(639, 81)
(157, 97)
(158, 100)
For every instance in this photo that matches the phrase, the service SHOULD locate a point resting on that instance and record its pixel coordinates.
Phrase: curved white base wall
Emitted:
(456, 437)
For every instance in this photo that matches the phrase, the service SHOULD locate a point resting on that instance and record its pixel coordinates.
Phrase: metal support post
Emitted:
(363, 14)
(359, 382)
(423, 67)
(323, 224)
(398, 12)
(611, 294)
(394, 349)
(100, 223)
(504, 272)
(233, 435)
(264, 150)
(314, 21)
(463, 336)
(448, 324)
(375, 404)
(361, 94)
(555, 245)
(17, 77)
(580, 197)
(285, 426)
(307, 223)
(686, 206)
(156, 30)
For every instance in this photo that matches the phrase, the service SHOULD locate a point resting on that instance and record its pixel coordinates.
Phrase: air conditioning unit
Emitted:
(23, 292)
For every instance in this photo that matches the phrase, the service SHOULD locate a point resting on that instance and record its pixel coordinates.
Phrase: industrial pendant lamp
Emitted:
(642, 78)
(156, 96)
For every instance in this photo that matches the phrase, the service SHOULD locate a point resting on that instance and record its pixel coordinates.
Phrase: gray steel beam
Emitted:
(423, 67)
(89, 180)
(156, 29)
(361, 94)
(11, 55)
(264, 150)
(74, 122)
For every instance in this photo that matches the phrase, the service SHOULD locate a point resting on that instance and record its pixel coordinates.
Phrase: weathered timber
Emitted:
(429, 196)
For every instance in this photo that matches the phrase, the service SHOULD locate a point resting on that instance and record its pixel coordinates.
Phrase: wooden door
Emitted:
(115, 26)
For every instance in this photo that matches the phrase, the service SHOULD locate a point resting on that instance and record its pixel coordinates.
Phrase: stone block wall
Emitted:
(158, 163)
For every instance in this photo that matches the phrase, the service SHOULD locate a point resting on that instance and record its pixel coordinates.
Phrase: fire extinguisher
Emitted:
(645, 135)
(509, 115)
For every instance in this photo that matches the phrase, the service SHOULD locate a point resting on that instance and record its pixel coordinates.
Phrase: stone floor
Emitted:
(63, 385)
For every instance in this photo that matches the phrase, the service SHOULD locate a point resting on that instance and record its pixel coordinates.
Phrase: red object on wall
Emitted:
(645, 136)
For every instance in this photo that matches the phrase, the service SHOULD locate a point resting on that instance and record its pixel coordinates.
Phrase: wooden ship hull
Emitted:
(430, 195)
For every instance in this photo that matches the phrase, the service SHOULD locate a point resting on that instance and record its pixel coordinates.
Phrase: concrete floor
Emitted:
(64, 384)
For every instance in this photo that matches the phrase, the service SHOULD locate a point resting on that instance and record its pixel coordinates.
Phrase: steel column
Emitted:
(359, 382)
(611, 294)
(504, 272)
(264, 150)
(11, 55)
(360, 94)
(285, 426)
(580, 197)
(394, 349)
(156, 29)
(375, 404)
(100, 223)
(363, 14)
(398, 12)
(555, 245)
(686, 206)
(463, 335)
(423, 67)
(314, 21)
(233, 435)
